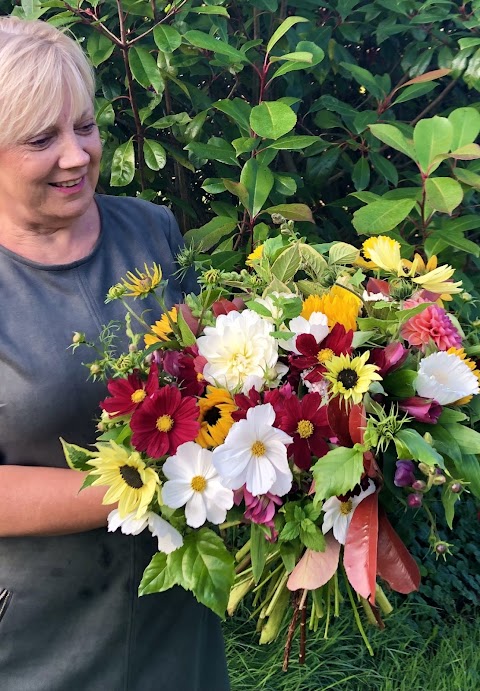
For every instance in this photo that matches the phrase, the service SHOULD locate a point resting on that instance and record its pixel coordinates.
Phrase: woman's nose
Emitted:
(73, 153)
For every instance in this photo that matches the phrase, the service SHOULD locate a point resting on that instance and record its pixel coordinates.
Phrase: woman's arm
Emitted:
(47, 501)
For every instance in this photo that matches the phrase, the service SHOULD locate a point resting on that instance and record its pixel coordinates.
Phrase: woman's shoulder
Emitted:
(135, 213)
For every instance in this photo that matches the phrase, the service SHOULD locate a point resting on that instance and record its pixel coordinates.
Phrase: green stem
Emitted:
(243, 551)
(281, 585)
(134, 314)
(383, 601)
(356, 614)
(327, 613)
(336, 610)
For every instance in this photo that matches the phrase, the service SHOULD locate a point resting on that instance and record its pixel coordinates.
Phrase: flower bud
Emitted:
(95, 368)
(404, 473)
(428, 438)
(78, 337)
(439, 480)
(414, 501)
(419, 485)
(456, 487)
(132, 348)
(441, 548)
(425, 469)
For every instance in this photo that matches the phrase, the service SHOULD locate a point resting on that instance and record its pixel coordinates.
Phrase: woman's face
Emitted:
(49, 180)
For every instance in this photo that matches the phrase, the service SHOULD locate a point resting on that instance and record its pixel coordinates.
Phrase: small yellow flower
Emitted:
(438, 281)
(350, 378)
(339, 305)
(460, 352)
(253, 256)
(144, 283)
(215, 417)
(162, 330)
(131, 483)
(384, 252)
(418, 266)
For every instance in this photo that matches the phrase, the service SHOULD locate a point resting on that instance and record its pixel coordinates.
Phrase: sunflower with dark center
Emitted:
(350, 377)
(215, 418)
(130, 481)
(306, 422)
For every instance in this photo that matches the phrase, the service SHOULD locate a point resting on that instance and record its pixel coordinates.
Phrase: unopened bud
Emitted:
(439, 480)
(419, 485)
(132, 348)
(425, 469)
(428, 438)
(78, 337)
(95, 368)
(441, 548)
(414, 501)
(456, 487)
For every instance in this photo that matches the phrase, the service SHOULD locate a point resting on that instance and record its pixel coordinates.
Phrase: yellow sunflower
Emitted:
(350, 378)
(339, 305)
(215, 417)
(162, 330)
(471, 365)
(143, 283)
(253, 256)
(130, 482)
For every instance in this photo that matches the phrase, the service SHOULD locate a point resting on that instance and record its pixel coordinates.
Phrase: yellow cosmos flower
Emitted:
(162, 330)
(384, 252)
(215, 417)
(471, 365)
(143, 283)
(350, 378)
(253, 256)
(438, 281)
(130, 482)
(339, 305)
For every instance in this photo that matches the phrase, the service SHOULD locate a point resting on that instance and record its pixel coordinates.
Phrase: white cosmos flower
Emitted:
(194, 483)
(254, 454)
(239, 349)
(169, 539)
(338, 514)
(316, 324)
(446, 378)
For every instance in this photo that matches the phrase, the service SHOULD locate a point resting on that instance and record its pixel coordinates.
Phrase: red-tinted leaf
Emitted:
(338, 420)
(192, 321)
(315, 568)
(371, 465)
(427, 77)
(395, 563)
(357, 422)
(360, 554)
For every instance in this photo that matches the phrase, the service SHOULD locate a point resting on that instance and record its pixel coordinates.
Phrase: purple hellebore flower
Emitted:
(390, 358)
(422, 409)
(404, 474)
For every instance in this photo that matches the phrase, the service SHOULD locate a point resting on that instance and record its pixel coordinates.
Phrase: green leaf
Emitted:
(443, 194)
(382, 215)
(157, 577)
(468, 177)
(400, 383)
(468, 152)
(292, 212)
(312, 537)
(99, 48)
(244, 145)
(467, 438)
(287, 264)
(123, 165)
(238, 110)
(210, 9)
(298, 56)
(167, 38)
(216, 150)
(337, 472)
(171, 120)
(364, 78)
(468, 469)
(361, 174)
(449, 499)
(272, 119)
(314, 52)
(466, 126)
(290, 531)
(154, 154)
(282, 29)
(258, 181)
(76, 456)
(384, 167)
(294, 142)
(414, 91)
(206, 42)
(432, 137)
(391, 135)
(238, 190)
(188, 337)
(444, 237)
(144, 69)
(410, 444)
(258, 550)
(211, 233)
(312, 261)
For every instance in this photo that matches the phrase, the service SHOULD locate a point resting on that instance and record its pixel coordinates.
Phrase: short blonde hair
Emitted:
(40, 67)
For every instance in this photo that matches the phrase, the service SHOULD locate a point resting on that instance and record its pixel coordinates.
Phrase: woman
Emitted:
(70, 618)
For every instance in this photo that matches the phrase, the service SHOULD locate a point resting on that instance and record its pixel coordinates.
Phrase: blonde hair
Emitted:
(40, 68)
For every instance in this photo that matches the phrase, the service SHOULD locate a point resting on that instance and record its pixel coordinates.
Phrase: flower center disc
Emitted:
(258, 448)
(164, 423)
(348, 377)
(305, 429)
(324, 355)
(138, 396)
(212, 416)
(131, 476)
(346, 507)
(198, 483)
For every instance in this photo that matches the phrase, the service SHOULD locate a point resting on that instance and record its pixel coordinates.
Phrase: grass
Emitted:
(410, 654)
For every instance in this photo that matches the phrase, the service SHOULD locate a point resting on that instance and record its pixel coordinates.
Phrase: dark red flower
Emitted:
(183, 366)
(164, 421)
(278, 399)
(224, 306)
(421, 409)
(126, 395)
(306, 421)
(388, 359)
(313, 355)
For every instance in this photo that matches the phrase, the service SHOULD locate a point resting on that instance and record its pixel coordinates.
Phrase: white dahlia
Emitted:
(446, 378)
(239, 350)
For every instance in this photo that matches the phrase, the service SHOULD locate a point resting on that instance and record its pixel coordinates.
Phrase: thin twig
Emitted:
(291, 631)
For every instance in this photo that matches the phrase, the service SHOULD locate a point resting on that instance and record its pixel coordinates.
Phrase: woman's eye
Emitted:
(86, 129)
(39, 143)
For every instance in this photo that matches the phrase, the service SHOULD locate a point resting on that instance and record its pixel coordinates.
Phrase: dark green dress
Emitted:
(70, 618)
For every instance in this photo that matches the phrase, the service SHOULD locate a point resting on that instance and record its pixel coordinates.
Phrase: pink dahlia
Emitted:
(164, 421)
(432, 324)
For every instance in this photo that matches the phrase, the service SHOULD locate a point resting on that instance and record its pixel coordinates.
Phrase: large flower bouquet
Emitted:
(264, 429)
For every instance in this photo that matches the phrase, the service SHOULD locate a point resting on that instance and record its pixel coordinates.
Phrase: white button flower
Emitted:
(338, 514)
(316, 324)
(169, 539)
(194, 483)
(254, 454)
(446, 378)
(239, 349)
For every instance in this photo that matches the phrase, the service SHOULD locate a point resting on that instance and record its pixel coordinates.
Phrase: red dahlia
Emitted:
(164, 421)
(306, 421)
(126, 395)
